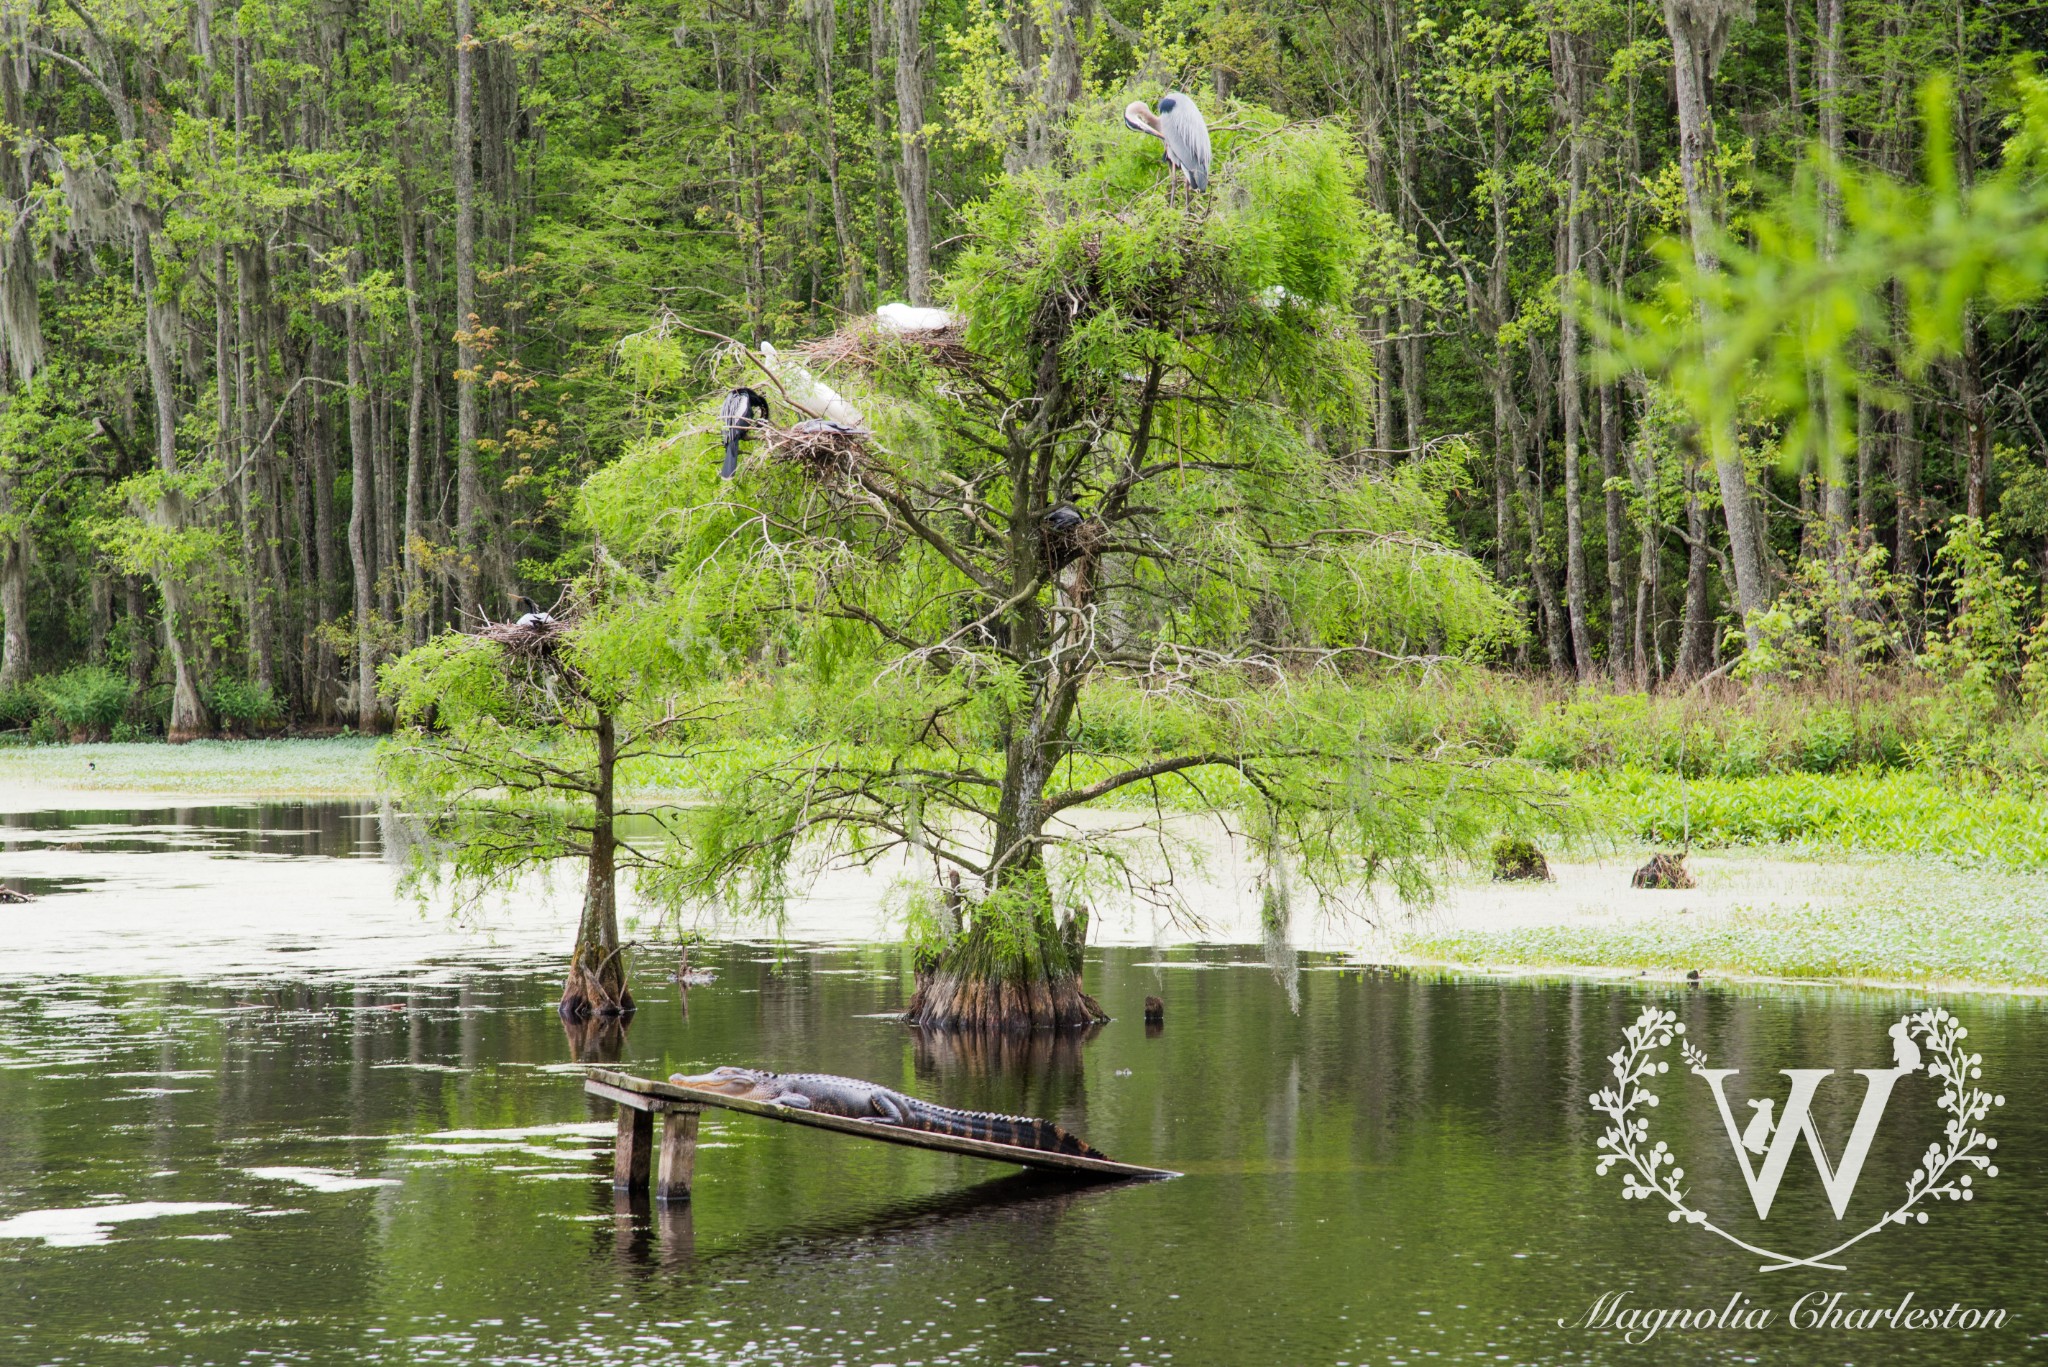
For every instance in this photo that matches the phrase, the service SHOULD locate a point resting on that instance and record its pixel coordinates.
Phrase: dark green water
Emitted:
(1400, 1172)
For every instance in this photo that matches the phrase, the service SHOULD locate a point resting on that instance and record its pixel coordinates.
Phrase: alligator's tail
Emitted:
(1019, 1131)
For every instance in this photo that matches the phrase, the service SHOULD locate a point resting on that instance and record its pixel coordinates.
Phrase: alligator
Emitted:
(826, 1094)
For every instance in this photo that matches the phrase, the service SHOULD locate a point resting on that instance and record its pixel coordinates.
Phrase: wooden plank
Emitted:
(678, 1154)
(656, 1092)
(635, 1147)
(639, 1101)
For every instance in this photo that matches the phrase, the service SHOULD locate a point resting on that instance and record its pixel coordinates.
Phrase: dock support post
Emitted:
(678, 1153)
(635, 1147)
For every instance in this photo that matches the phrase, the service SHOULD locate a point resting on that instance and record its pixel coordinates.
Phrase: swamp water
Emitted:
(253, 1110)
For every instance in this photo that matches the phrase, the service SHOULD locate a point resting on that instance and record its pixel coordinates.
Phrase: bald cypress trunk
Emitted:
(596, 983)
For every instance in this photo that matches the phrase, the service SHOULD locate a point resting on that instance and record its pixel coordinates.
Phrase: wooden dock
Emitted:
(640, 1100)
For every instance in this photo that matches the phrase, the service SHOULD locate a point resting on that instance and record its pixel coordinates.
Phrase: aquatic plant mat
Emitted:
(607, 1081)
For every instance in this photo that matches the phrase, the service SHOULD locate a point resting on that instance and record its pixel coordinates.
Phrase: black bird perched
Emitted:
(1182, 128)
(743, 409)
(530, 613)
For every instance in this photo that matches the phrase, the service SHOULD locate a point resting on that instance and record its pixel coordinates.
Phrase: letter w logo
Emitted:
(1797, 1121)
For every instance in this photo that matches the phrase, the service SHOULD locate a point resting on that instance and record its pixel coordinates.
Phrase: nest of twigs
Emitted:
(1066, 544)
(829, 455)
(866, 343)
(534, 642)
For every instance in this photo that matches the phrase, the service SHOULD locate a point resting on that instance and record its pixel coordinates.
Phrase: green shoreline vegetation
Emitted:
(1623, 472)
(1862, 782)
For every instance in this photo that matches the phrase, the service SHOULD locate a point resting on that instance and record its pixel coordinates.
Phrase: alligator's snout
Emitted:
(726, 1081)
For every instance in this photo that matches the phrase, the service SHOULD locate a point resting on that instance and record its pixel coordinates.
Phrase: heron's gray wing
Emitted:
(1187, 137)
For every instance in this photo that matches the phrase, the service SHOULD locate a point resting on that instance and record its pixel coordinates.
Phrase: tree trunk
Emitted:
(159, 341)
(993, 979)
(1648, 660)
(1834, 434)
(1696, 630)
(1976, 426)
(853, 296)
(1698, 31)
(1616, 517)
(361, 493)
(14, 557)
(255, 407)
(878, 118)
(916, 181)
(1565, 72)
(1907, 525)
(412, 611)
(1529, 475)
(596, 984)
(468, 484)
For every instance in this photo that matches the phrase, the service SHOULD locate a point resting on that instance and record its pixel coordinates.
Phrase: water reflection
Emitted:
(391, 1160)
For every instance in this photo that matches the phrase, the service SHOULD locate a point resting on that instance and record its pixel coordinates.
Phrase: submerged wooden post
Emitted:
(636, 1146)
(678, 1153)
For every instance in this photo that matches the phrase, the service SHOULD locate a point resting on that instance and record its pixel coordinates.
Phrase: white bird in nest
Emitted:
(911, 318)
(530, 612)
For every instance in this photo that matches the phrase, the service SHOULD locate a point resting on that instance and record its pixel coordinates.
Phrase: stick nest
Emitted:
(827, 455)
(867, 344)
(1065, 545)
(524, 642)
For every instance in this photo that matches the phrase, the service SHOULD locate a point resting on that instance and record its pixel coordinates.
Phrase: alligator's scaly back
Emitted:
(829, 1094)
(1019, 1131)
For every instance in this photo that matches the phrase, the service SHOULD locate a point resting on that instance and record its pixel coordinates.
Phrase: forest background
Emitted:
(315, 317)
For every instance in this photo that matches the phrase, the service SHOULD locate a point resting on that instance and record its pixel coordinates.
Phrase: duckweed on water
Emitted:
(336, 766)
(1980, 928)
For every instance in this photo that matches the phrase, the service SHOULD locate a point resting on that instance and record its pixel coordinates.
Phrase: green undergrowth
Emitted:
(1955, 928)
(1956, 818)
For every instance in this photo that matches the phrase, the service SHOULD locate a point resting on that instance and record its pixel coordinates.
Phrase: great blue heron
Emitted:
(1181, 127)
(743, 408)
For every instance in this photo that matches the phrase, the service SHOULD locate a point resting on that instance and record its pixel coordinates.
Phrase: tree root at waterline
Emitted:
(596, 985)
(973, 984)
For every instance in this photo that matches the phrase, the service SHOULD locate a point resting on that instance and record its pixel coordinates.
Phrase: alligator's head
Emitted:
(749, 1084)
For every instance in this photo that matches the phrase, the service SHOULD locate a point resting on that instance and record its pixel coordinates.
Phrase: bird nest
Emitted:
(867, 344)
(1066, 544)
(534, 642)
(826, 454)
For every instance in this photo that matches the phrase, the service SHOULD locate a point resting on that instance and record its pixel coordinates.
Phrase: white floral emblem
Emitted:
(1651, 1170)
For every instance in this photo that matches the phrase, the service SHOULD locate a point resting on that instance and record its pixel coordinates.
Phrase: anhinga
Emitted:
(743, 409)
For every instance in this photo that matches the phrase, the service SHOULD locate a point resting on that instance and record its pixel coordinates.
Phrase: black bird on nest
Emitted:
(744, 408)
(531, 614)
(1062, 531)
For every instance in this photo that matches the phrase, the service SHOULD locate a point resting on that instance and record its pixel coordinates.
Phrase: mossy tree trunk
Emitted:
(1013, 967)
(597, 968)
